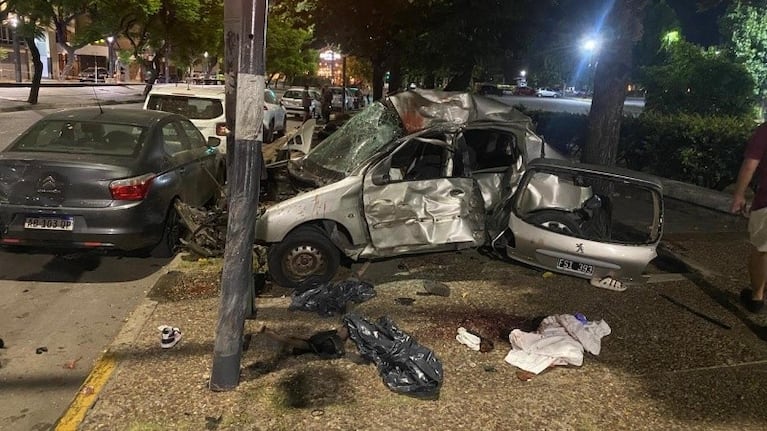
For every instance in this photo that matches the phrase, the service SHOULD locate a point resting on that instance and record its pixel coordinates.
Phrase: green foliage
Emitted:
(706, 151)
(660, 20)
(697, 81)
(746, 23)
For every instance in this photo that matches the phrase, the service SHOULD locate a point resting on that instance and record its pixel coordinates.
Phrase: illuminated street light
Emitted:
(331, 57)
(16, 50)
(110, 68)
(590, 45)
(523, 73)
(207, 70)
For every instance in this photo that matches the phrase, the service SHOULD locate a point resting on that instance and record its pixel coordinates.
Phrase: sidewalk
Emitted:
(55, 95)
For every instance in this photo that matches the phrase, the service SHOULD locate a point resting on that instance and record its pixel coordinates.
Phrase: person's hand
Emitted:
(739, 205)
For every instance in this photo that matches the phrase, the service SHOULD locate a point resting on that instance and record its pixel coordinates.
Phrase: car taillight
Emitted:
(131, 189)
(221, 129)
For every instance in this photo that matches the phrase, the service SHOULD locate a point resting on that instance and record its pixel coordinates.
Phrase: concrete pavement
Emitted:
(53, 95)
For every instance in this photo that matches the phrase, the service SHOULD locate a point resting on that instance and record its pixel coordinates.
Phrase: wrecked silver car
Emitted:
(421, 171)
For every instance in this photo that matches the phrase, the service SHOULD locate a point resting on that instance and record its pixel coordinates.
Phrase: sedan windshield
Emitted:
(357, 140)
(82, 137)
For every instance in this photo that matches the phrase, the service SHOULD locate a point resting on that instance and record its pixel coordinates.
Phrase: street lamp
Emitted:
(110, 66)
(207, 70)
(16, 50)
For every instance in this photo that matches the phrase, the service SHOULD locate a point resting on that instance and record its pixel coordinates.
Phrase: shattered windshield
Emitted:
(361, 137)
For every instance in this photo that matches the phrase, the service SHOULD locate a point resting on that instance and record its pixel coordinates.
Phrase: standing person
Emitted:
(306, 102)
(327, 103)
(754, 161)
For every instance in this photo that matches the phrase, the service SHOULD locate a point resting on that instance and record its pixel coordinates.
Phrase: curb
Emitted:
(43, 106)
(108, 362)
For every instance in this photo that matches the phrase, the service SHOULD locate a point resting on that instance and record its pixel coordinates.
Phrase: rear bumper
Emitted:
(127, 226)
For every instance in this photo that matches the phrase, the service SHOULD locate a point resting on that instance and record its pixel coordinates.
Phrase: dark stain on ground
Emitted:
(491, 324)
(312, 388)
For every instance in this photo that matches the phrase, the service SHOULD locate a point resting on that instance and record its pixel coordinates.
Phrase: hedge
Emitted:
(706, 151)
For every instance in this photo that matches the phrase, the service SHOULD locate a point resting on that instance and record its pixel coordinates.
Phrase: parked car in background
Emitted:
(93, 74)
(338, 99)
(524, 91)
(293, 101)
(548, 92)
(205, 106)
(105, 179)
(489, 90)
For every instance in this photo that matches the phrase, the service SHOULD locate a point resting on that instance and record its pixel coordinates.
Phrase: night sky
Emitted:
(701, 28)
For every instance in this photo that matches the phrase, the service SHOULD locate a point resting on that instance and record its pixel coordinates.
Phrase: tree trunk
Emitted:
(70, 64)
(34, 90)
(610, 80)
(461, 81)
(395, 73)
(378, 79)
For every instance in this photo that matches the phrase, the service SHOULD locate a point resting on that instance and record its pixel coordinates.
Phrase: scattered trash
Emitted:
(490, 369)
(404, 301)
(559, 340)
(41, 350)
(548, 274)
(468, 339)
(318, 412)
(331, 298)
(212, 423)
(435, 288)
(525, 376)
(325, 344)
(207, 228)
(87, 390)
(474, 341)
(405, 366)
(70, 365)
(169, 336)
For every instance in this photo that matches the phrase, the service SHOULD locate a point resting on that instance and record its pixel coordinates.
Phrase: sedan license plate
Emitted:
(50, 223)
(573, 266)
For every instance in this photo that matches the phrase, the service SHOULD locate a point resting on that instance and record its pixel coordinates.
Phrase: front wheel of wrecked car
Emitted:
(305, 252)
(556, 221)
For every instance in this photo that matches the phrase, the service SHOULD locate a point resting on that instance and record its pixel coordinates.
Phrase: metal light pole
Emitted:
(16, 49)
(207, 70)
(111, 65)
(244, 54)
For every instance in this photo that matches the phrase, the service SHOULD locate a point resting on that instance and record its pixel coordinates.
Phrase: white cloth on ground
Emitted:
(559, 340)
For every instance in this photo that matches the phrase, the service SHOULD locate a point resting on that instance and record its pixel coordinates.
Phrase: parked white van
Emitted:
(205, 106)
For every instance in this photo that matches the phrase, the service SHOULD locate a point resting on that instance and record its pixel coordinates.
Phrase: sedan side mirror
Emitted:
(213, 141)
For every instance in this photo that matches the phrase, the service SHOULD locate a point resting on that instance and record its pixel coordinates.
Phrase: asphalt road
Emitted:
(631, 107)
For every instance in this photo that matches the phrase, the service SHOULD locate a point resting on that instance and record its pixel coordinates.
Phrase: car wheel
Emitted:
(269, 133)
(170, 236)
(557, 221)
(305, 252)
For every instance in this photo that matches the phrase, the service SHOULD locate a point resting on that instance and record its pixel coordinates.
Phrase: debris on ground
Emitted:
(169, 336)
(331, 298)
(71, 364)
(405, 366)
(2, 344)
(41, 350)
(207, 229)
(473, 340)
(325, 344)
(559, 340)
(435, 288)
(404, 301)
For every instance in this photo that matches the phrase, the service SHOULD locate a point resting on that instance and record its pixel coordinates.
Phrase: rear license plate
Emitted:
(50, 223)
(573, 266)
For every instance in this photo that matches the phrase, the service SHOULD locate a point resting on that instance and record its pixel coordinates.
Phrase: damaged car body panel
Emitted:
(586, 221)
(416, 172)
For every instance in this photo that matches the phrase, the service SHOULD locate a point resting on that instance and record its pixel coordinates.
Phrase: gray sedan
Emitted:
(107, 179)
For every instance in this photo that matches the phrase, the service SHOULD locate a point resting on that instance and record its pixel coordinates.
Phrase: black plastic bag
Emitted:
(405, 366)
(331, 298)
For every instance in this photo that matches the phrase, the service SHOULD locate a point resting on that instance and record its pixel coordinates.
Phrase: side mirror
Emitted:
(213, 141)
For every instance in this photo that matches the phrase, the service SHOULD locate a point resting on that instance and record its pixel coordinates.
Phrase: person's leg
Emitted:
(757, 269)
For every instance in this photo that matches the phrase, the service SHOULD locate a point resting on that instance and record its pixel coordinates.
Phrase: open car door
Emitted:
(414, 201)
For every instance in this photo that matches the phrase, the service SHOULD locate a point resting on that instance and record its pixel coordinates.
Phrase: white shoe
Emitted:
(169, 337)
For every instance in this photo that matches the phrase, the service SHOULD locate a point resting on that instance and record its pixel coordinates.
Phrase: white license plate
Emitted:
(50, 223)
(573, 266)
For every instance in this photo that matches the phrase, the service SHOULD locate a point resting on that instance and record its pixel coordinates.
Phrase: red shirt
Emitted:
(757, 149)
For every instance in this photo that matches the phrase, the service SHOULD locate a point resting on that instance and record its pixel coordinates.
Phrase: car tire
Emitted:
(171, 234)
(557, 221)
(306, 252)
(269, 133)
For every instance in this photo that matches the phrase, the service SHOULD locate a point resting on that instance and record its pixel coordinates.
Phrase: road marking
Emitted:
(87, 393)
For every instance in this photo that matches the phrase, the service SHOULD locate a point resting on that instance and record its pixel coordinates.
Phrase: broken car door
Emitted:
(415, 201)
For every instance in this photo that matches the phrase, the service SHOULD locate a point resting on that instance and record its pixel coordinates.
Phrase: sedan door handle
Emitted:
(456, 192)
